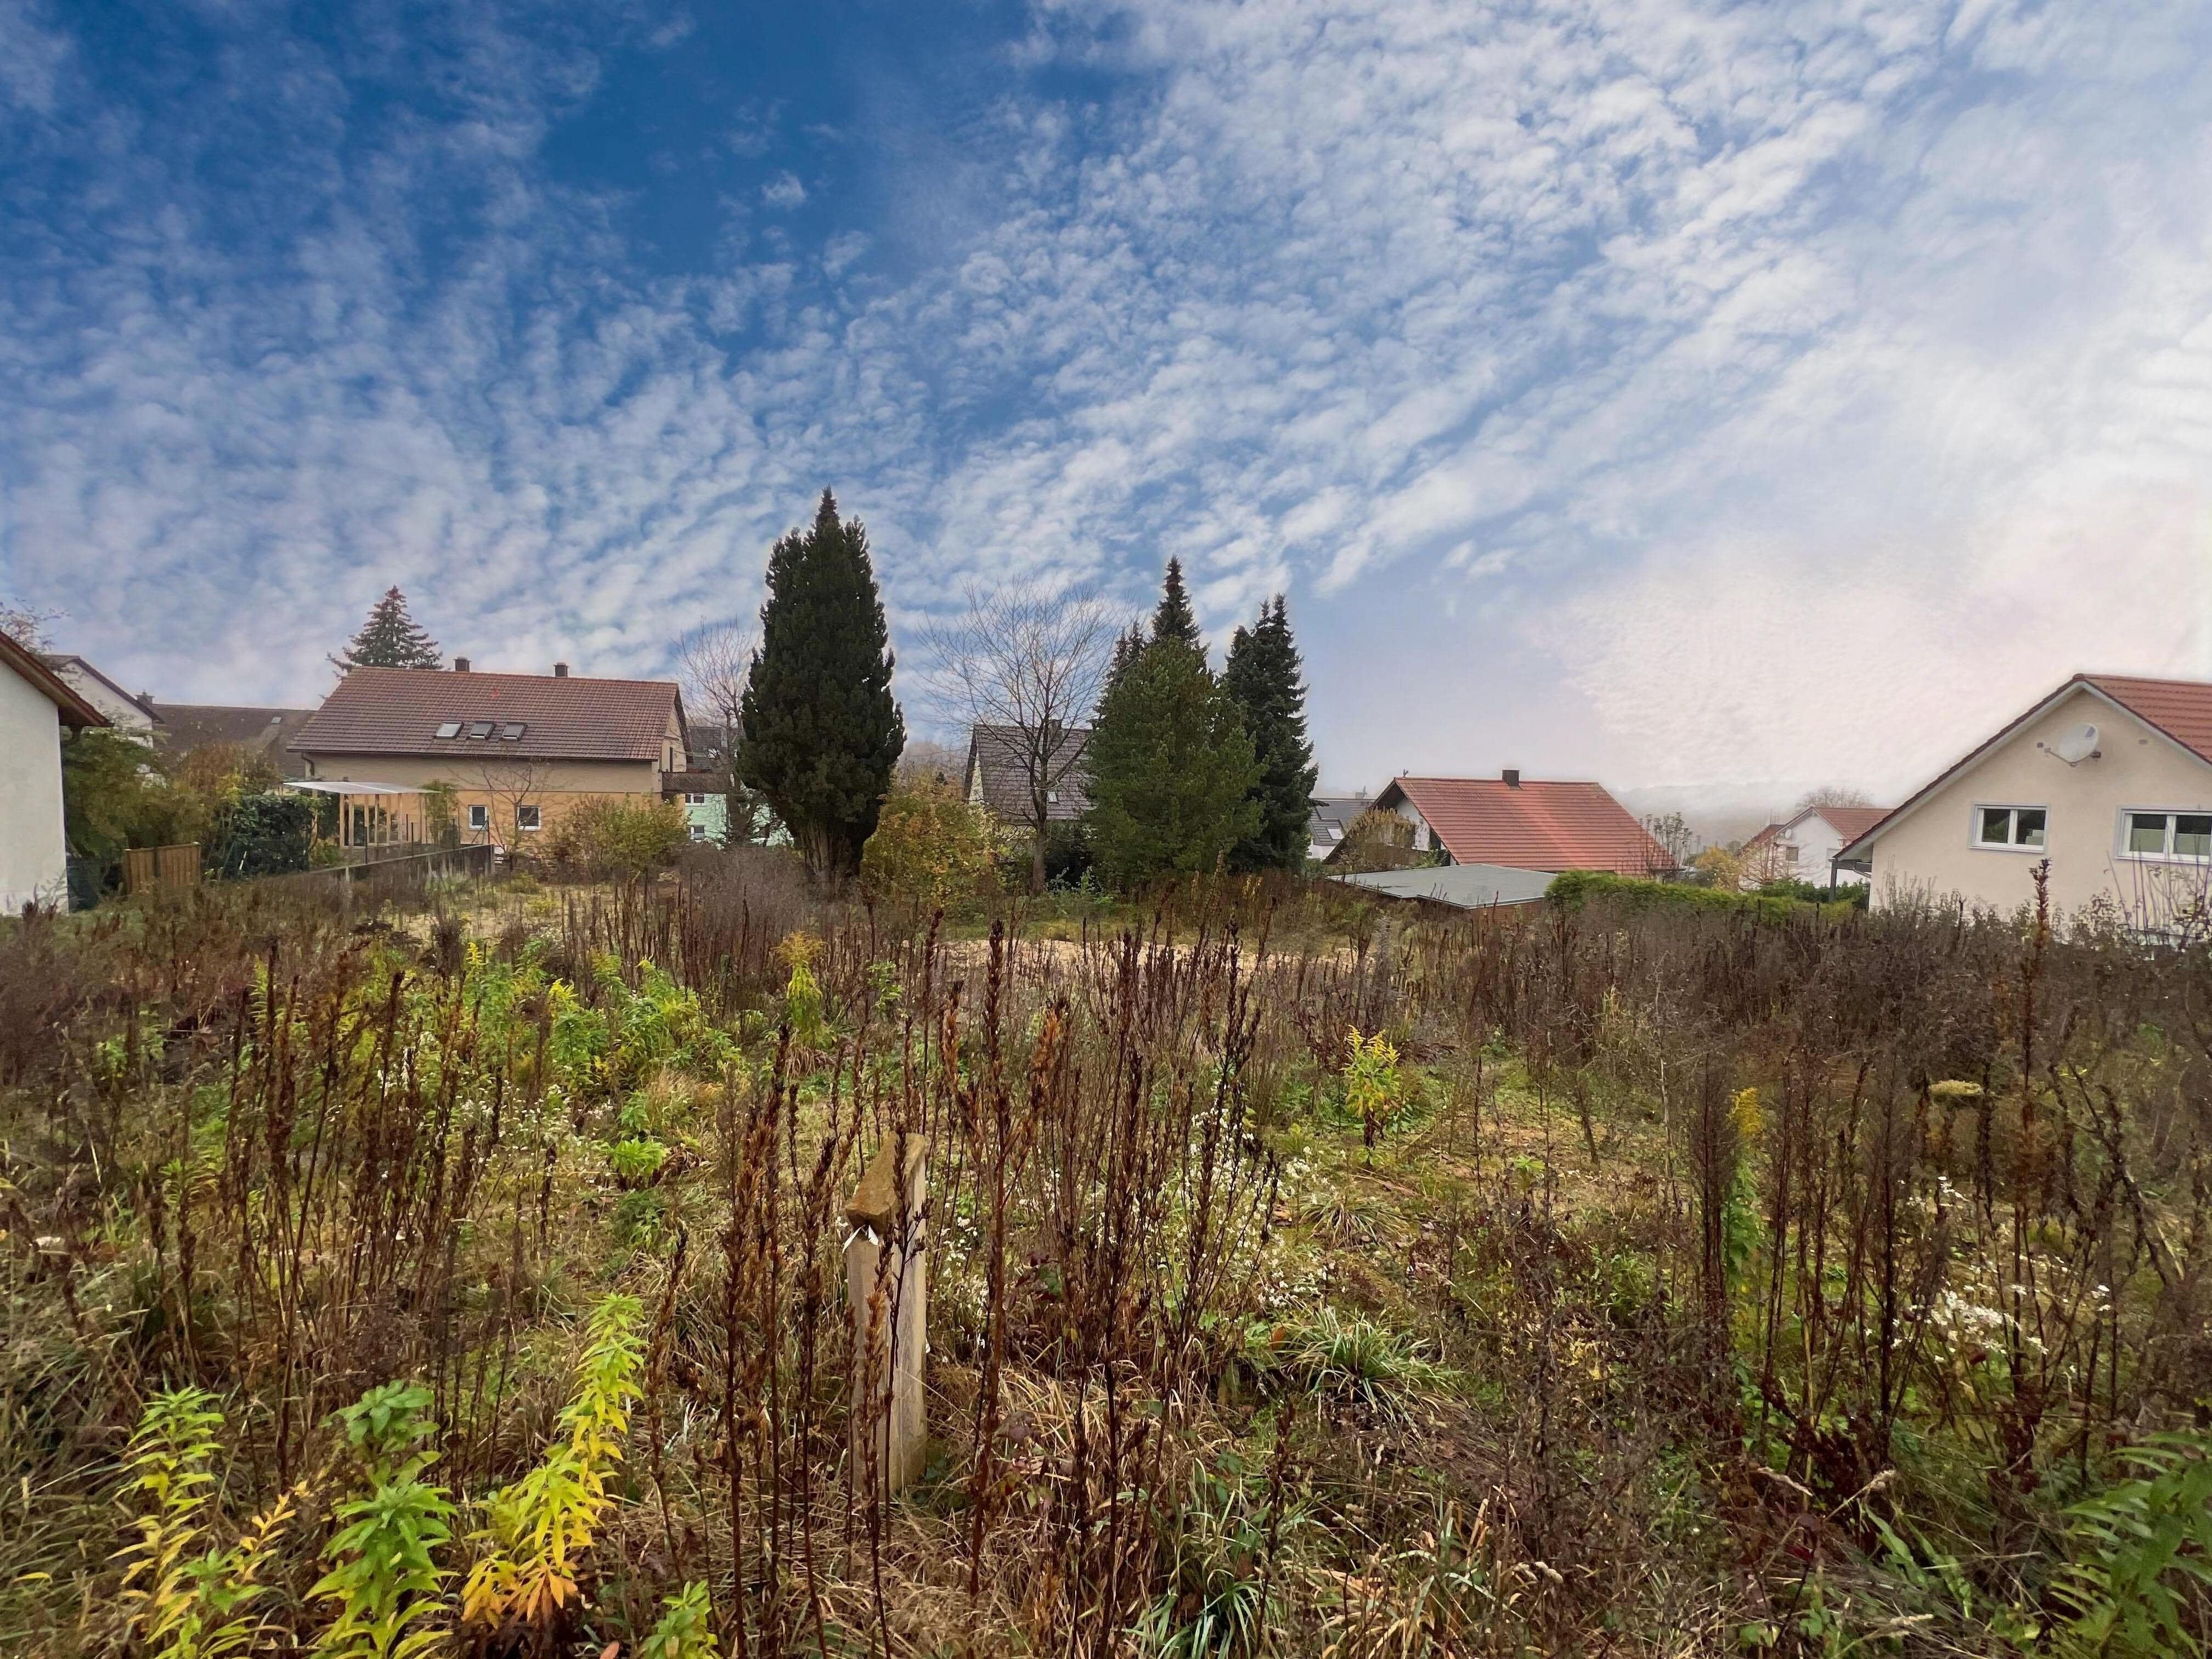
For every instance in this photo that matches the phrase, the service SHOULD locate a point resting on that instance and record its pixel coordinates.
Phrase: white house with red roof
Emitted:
(2107, 781)
(1519, 824)
(35, 704)
(1805, 847)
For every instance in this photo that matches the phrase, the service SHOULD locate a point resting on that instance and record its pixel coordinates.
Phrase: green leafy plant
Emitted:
(541, 1526)
(1373, 1086)
(186, 1601)
(386, 1581)
(1350, 1361)
(684, 1630)
(1217, 1544)
(2144, 1575)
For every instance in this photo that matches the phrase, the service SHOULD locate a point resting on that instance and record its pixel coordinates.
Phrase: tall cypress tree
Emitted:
(390, 639)
(1171, 770)
(821, 730)
(1263, 677)
(1174, 619)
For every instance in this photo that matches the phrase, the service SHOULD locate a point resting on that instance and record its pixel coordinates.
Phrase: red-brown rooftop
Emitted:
(428, 711)
(1531, 824)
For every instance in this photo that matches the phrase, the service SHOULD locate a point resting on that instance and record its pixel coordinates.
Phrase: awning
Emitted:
(321, 787)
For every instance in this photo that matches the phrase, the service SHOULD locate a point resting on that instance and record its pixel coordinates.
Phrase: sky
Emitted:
(1718, 400)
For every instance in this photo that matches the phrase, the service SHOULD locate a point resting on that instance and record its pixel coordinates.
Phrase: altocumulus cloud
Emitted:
(1680, 393)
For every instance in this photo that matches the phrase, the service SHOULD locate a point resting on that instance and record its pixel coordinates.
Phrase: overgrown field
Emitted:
(1305, 1278)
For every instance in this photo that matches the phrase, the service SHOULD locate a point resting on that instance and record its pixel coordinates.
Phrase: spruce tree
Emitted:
(1171, 770)
(1263, 678)
(821, 732)
(390, 639)
(1174, 619)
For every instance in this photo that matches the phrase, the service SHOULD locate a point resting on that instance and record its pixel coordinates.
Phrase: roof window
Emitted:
(510, 732)
(479, 730)
(449, 729)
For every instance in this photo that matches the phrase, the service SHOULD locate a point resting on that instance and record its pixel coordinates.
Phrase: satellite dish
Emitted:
(2077, 746)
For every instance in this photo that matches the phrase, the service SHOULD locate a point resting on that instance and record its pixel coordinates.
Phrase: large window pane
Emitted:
(2146, 832)
(2192, 835)
(1996, 825)
(2027, 827)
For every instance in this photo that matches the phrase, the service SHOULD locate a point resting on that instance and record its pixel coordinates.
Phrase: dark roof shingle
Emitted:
(997, 752)
(398, 711)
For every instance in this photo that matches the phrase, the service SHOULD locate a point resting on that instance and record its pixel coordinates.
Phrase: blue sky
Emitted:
(1734, 398)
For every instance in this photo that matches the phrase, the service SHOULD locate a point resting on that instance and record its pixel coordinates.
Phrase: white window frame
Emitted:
(2122, 850)
(2015, 807)
(536, 817)
(479, 818)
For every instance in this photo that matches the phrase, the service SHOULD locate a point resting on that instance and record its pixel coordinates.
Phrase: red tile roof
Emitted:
(398, 711)
(1531, 825)
(2180, 709)
(1852, 821)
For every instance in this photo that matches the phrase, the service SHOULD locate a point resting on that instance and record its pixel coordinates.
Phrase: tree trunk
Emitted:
(1036, 859)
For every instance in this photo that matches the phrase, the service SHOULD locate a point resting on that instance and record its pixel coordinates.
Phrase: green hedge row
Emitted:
(1575, 887)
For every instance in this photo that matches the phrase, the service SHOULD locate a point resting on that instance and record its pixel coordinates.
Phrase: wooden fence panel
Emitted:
(160, 866)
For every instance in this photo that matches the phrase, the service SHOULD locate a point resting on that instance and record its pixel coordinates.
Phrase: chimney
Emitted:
(1513, 776)
(460, 665)
(560, 670)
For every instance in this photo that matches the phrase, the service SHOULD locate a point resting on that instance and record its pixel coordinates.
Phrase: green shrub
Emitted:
(264, 835)
(609, 838)
(1575, 887)
(930, 847)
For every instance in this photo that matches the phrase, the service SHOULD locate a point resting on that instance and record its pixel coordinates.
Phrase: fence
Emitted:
(160, 866)
(379, 879)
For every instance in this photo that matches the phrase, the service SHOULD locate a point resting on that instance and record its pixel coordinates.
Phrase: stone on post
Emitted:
(890, 1336)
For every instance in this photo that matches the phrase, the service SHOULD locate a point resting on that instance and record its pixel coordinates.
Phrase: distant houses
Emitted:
(1332, 818)
(1804, 847)
(997, 774)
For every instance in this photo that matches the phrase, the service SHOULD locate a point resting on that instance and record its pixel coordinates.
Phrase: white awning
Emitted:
(321, 787)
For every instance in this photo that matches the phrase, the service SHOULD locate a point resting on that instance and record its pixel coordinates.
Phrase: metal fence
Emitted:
(379, 879)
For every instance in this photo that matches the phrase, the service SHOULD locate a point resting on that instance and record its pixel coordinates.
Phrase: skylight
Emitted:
(479, 729)
(511, 733)
(450, 729)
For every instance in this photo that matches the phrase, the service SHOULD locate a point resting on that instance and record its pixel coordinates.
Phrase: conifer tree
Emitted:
(822, 732)
(1262, 679)
(1174, 619)
(390, 639)
(1171, 770)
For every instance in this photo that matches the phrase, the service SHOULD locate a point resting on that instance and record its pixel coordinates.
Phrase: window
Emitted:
(695, 800)
(698, 832)
(479, 730)
(526, 818)
(510, 732)
(2166, 834)
(2020, 828)
(450, 729)
(1336, 832)
(1052, 794)
(480, 818)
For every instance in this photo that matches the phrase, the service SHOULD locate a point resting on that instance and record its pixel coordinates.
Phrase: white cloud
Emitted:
(784, 191)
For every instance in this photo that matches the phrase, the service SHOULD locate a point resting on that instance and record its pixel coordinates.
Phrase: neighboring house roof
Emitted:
(1849, 822)
(1332, 817)
(65, 663)
(998, 750)
(400, 711)
(66, 698)
(695, 782)
(1471, 886)
(1530, 825)
(1766, 835)
(186, 726)
(2179, 711)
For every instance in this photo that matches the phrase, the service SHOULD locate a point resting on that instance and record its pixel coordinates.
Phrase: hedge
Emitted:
(1575, 887)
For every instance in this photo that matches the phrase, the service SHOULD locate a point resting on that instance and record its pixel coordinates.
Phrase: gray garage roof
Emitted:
(1471, 886)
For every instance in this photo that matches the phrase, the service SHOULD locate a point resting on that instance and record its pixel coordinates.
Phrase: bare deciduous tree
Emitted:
(713, 663)
(1030, 661)
(1831, 794)
(510, 783)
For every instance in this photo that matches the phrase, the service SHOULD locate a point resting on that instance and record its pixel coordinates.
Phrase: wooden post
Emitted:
(889, 1330)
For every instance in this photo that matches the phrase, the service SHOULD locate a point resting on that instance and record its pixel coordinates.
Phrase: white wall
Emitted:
(1817, 843)
(124, 715)
(34, 856)
(1932, 852)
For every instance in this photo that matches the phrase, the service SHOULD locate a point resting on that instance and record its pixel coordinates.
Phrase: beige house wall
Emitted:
(1931, 854)
(553, 786)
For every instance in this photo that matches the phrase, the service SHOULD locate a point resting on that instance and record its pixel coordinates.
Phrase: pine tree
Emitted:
(1263, 678)
(1174, 619)
(390, 639)
(822, 732)
(1171, 770)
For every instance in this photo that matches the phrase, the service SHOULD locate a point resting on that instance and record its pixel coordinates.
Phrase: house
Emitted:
(1804, 847)
(130, 713)
(516, 750)
(35, 704)
(254, 730)
(1331, 817)
(1524, 824)
(997, 778)
(703, 794)
(2107, 780)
